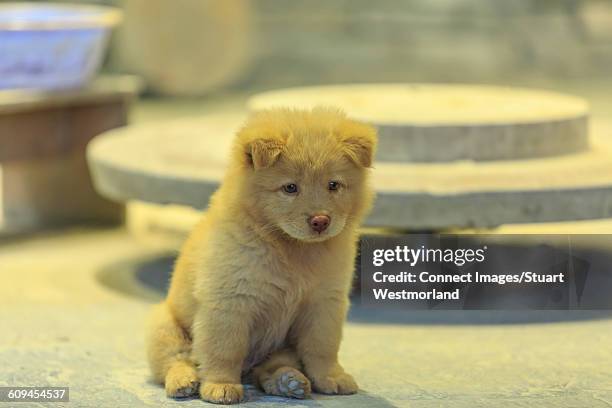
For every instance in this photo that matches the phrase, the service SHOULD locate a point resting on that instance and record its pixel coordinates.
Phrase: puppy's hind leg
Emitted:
(280, 375)
(168, 352)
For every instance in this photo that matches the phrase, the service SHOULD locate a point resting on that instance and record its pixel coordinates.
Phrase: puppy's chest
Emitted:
(280, 300)
(281, 283)
(274, 313)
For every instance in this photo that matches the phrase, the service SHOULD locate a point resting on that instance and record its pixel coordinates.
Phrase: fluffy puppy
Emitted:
(262, 283)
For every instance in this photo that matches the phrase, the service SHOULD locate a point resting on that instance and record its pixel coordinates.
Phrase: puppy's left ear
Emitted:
(359, 142)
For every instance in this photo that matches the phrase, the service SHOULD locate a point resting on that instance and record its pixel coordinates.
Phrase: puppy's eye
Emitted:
(290, 188)
(333, 185)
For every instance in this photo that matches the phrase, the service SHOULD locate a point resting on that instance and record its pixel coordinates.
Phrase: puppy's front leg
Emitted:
(317, 333)
(220, 345)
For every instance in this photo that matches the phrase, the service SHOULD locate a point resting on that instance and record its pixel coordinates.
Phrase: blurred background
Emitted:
(193, 57)
(261, 44)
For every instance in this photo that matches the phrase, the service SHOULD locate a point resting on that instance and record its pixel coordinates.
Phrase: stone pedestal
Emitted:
(492, 156)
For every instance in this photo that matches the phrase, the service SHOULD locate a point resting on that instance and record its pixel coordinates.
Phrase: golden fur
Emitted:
(255, 288)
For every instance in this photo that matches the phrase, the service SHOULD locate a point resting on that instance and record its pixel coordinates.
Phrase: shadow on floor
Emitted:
(254, 397)
(360, 400)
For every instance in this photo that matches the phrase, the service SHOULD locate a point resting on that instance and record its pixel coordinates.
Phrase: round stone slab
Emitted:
(437, 123)
(183, 162)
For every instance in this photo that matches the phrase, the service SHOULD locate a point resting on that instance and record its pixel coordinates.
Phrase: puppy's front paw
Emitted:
(287, 382)
(181, 381)
(221, 393)
(341, 383)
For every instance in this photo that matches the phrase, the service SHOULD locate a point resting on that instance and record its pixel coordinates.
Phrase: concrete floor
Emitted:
(64, 325)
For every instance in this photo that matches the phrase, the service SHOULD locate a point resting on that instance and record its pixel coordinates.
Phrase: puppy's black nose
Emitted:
(319, 223)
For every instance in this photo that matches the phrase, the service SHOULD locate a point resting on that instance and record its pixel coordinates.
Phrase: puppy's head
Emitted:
(304, 172)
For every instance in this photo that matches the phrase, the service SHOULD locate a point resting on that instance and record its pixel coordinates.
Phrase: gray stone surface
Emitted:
(182, 162)
(64, 325)
(440, 123)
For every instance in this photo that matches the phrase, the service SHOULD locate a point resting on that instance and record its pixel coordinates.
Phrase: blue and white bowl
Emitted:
(51, 46)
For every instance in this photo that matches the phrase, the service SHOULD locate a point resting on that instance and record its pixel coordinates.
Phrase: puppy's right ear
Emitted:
(259, 145)
(263, 152)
